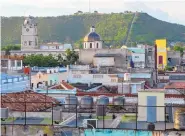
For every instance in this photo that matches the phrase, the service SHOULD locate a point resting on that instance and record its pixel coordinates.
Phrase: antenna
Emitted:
(89, 6)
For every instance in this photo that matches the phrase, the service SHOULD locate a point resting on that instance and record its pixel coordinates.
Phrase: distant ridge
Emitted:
(115, 28)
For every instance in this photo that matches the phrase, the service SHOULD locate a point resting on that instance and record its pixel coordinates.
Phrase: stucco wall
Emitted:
(142, 101)
(86, 55)
(103, 61)
(51, 78)
(91, 78)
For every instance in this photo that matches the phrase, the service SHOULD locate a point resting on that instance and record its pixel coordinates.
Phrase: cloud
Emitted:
(39, 3)
(170, 10)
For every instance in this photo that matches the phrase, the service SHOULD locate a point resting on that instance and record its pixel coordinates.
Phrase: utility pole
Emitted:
(30, 77)
(122, 85)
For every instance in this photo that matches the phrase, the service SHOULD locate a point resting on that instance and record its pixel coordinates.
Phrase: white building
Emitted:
(84, 74)
(138, 56)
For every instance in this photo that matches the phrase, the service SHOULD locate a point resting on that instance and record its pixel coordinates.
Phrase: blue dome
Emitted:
(91, 37)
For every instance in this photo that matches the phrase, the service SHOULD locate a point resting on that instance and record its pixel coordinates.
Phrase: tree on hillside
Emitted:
(178, 47)
(8, 48)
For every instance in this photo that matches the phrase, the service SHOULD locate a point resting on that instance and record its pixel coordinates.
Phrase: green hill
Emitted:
(115, 28)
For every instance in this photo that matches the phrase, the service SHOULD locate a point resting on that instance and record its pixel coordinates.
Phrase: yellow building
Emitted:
(161, 53)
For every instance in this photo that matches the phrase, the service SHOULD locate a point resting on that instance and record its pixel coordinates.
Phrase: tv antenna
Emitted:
(89, 6)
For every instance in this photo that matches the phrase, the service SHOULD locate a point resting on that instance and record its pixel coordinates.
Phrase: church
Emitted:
(29, 41)
(92, 53)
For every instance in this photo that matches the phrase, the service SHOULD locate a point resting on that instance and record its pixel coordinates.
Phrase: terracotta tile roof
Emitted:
(175, 85)
(34, 101)
(56, 87)
(66, 85)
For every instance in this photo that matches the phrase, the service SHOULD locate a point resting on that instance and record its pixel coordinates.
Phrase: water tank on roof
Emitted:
(179, 121)
(71, 102)
(86, 102)
(100, 110)
(127, 76)
(119, 100)
(103, 100)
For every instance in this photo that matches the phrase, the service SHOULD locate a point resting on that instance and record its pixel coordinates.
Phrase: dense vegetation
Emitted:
(179, 47)
(70, 57)
(113, 28)
(8, 48)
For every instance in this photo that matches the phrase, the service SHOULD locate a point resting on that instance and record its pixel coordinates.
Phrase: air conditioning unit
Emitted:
(4, 113)
(90, 123)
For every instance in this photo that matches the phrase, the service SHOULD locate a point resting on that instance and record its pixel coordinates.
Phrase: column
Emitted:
(15, 64)
(9, 64)
(21, 64)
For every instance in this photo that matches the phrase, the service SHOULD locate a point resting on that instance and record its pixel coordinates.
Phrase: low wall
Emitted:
(30, 114)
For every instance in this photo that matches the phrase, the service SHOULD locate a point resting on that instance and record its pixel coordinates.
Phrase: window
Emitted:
(29, 42)
(136, 56)
(113, 80)
(18, 63)
(35, 41)
(12, 63)
(85, 45)
(76, 76)
(25, 43)
(97, 45)
(90, 45)
(160, 59)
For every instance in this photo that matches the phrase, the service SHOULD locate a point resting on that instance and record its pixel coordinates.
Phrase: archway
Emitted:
(38, 84)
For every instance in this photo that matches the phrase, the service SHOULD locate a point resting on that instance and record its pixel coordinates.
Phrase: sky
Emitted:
(171, 11)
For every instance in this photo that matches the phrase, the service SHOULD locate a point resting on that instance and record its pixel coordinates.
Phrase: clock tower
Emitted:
(29, 37)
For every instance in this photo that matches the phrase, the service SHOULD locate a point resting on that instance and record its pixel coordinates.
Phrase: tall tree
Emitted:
(8, 48)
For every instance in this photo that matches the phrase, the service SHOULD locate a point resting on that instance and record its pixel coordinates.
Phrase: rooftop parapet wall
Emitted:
(12, 57)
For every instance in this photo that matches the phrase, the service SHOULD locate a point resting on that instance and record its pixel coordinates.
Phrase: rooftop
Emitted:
(16, 101)
(175, 85)
(152, 90)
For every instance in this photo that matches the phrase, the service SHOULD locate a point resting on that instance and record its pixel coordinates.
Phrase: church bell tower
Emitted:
(29, 37)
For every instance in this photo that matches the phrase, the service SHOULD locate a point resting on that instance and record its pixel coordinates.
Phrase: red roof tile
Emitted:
(175, 85)
(68, 86)
(34, 101)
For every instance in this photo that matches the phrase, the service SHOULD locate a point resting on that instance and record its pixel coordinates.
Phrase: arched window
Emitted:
(90, 45)
(97, 45)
